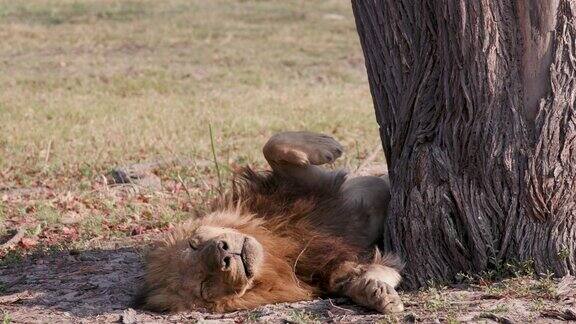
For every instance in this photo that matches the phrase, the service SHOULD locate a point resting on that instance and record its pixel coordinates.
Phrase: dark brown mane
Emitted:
(268, 193)
(288, 211)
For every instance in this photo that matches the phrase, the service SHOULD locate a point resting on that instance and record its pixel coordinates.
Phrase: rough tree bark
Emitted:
(475, 102)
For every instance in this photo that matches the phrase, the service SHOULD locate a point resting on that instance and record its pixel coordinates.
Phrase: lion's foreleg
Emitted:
(371, 285)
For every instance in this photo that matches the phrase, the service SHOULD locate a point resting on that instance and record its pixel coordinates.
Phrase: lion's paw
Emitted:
(382, 297)
(302, 148)
(375, 294)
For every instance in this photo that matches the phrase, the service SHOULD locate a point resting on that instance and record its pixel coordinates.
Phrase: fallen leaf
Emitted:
(13, 298)
(137, 230)
(27, 242)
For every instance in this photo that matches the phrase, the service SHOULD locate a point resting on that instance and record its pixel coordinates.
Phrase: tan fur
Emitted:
(303, 246)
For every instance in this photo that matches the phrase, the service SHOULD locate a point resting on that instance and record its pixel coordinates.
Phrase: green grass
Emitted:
(84, 94)
(6, 318)
(10, 258)
(3, 229)
(253, 316)
(302, 317)
(48, 214)
(89, 85)
(70, 12)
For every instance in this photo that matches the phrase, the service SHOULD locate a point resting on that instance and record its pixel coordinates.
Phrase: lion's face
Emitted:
(219, 262)
(213, 262)
(202, 266)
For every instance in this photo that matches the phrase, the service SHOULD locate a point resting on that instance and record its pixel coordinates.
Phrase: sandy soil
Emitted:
(96, 285)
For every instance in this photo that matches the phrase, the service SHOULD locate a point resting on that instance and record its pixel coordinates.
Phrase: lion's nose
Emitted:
(226, 261)
(223, 245)
(225, 255)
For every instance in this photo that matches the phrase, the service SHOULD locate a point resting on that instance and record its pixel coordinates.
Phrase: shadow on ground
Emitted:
(98, 285)
(72, 284)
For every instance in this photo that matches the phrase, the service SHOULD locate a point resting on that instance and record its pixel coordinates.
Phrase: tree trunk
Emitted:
(475, 102)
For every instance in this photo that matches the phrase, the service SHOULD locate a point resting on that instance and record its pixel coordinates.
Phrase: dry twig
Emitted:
(14, 240)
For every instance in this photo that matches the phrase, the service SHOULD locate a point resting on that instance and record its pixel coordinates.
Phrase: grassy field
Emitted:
(90, 85)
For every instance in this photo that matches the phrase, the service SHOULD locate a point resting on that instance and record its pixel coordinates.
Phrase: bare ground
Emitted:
(96, 285)
(57, 281)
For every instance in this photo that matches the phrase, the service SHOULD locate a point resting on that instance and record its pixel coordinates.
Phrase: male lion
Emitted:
(286, 235)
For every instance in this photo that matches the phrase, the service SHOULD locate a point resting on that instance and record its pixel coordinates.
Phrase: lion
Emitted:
(290, 234)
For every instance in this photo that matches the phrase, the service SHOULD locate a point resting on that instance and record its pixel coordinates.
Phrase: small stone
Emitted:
(140, 178)
(128, 316)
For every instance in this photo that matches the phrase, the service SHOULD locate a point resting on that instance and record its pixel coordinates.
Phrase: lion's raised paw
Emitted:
(302, 148)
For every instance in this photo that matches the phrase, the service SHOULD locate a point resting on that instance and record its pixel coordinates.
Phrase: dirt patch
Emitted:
(97, 284)
(70, 286)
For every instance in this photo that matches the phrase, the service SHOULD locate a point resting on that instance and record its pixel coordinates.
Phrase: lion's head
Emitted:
(213, 262)
(219, 262)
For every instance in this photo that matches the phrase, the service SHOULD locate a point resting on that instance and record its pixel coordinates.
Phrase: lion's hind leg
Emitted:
(301, 149)
(370, 285)
(297, 155)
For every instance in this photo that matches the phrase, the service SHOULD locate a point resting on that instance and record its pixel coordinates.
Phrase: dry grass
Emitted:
(98, 83)
(89, 85)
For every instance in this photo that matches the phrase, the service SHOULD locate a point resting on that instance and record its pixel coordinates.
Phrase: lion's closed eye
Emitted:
(193, 245)
(202, 290)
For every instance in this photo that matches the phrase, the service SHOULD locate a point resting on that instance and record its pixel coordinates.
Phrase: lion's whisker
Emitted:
(296, 261)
